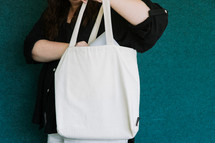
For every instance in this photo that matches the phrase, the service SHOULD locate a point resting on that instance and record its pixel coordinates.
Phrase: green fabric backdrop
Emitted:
(177, 76)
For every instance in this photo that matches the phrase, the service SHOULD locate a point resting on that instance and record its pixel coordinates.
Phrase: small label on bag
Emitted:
(138, 119)
(45, 119)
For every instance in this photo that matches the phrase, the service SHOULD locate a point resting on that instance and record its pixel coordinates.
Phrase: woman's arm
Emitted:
(144, 35)
(134, 11)
(38, 49)
(46, 51)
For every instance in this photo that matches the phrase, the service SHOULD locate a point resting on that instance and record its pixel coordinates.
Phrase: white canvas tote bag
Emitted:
(97, 88)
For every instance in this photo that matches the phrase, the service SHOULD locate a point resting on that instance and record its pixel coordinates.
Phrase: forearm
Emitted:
(134, 11)
(46, 51)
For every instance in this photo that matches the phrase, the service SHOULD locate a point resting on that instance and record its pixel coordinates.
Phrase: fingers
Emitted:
(84, 1)
(100, 1)
(81, 44)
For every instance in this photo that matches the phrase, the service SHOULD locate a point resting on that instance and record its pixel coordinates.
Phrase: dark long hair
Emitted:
(57, 11)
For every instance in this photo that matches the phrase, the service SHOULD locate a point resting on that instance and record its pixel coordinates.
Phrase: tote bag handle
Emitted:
(107, 20)
(96, 26)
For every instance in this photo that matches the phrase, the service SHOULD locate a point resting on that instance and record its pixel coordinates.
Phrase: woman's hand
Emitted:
(134, 11)
(85, 1)
(81, 44)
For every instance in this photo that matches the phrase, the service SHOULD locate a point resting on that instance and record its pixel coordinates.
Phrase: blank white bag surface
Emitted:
(56, 138)
(97, 77)
(97, 91)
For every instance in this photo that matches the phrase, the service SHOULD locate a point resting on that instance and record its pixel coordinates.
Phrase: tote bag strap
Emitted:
(77, 26)
(96, 26)
(107, 19)
(108, 23)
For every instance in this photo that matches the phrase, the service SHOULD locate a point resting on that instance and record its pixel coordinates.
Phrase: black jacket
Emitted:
(141, 37)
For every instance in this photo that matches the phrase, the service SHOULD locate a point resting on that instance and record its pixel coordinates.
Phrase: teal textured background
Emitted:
(177, 76)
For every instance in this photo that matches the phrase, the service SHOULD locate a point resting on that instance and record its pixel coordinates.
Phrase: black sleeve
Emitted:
(143, 36)
(36, 33)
